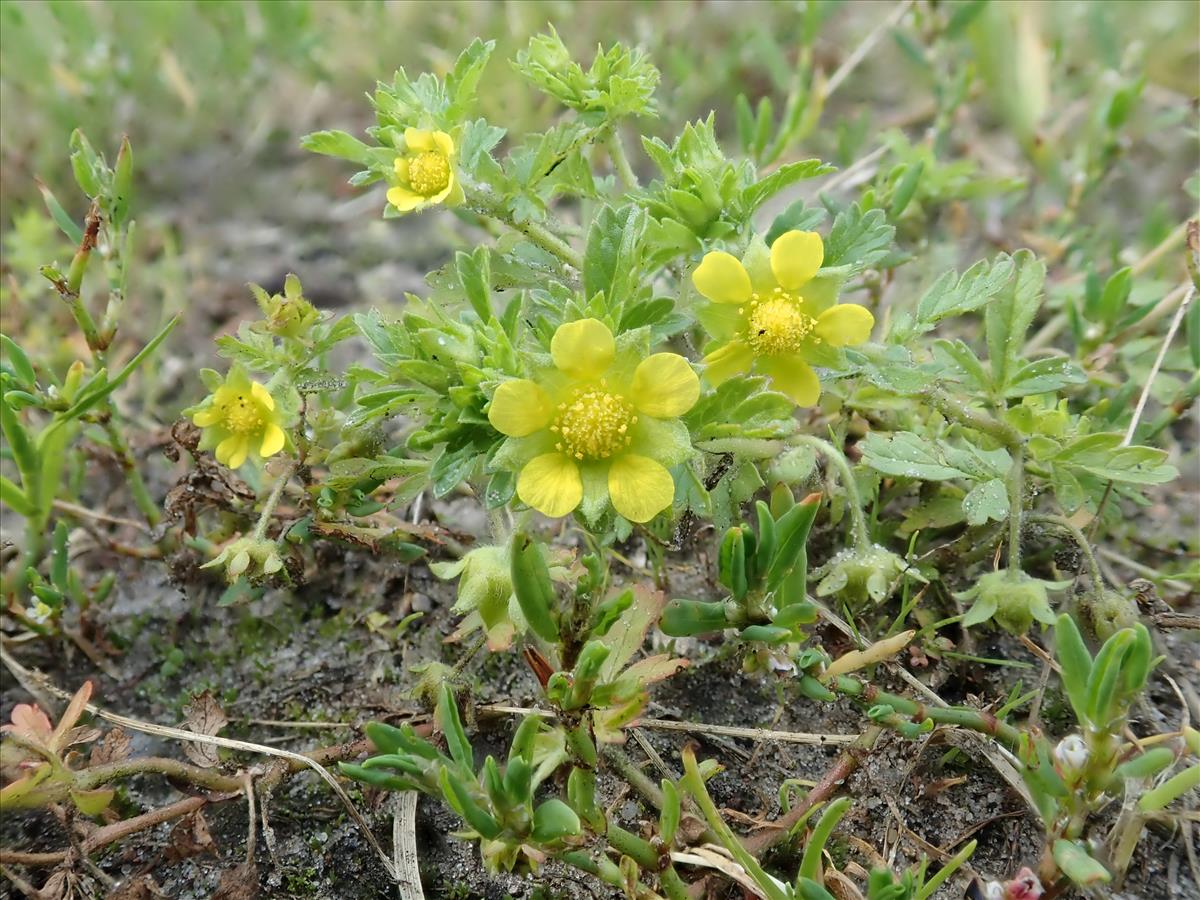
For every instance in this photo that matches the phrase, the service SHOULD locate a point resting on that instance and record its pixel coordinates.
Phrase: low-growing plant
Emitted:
(663, 364)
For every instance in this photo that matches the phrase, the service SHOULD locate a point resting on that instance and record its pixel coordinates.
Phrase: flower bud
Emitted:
(1013, 600)
(858, 575)
(1109, 612)
(1071, 755)
(485, 595)
(255, 558)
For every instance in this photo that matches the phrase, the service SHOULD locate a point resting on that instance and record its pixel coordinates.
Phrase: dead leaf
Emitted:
(141, 888)
(113, 747)
(66, 724)
(204, 716)
(190, 837)
(30, 725)
(238, 883)
(56, 886)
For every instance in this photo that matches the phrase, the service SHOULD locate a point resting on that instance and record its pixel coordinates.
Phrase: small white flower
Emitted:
(39, 612)
(1071, 753)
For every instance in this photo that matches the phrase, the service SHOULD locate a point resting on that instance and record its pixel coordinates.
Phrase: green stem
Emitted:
(490, 204)
(1068, 526)
(268, 510)
(695, 786)
(137, 485)
(973, 719)
(976, 419)
(858, 521)
(1016, 504)
(616, 152)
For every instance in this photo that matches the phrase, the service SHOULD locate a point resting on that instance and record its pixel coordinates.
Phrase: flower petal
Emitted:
(583, 349)
(206, 417)
(639, 487)
(444, 143)
(519, 407)
(794, 377)
(404, 199)
(664, 386)
(795, 258)
(262, 395)
(550, 483)
(273, 440)
(456, 195)
(725, 362)
(721, 278)
(845, 325)
(232, 451)
(418, 140)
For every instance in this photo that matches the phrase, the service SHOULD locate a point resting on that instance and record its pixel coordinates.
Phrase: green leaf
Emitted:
(797, 217)
(1170, 790)
(452, 728)
(553, 821)
(987, 500)
(810, 863)
(463, 79)
(337, 143)
(1075, 662)
(1104, 306)
(533, 588)
(859, 239)
(93, 802)
(14, 498)
(60, 216)
(1009, 315)
(90, 398)
(1102, 684)
(1044, 376)
(1077, 864)
(21, 366)
(1103, 456)
(764, 189)
(613, 253)
(1144, 765)
(908, 455)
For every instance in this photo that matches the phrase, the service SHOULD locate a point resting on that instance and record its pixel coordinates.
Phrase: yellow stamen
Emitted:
(593, 424)
(777, 326)
(242, 415)
(428, 173)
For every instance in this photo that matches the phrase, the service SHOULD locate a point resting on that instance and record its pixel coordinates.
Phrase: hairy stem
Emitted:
(1080, 538)
(858, 520)
(616, 152)
(1016, 503)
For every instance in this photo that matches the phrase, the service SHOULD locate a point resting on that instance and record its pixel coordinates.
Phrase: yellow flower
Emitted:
(598, 426)
(774, 314)
(240, 419)
(425, 172)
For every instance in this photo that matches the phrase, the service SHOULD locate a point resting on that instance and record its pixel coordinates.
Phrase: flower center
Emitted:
(776, 325)
(428, 173)
(593, 424)
(242, 415)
